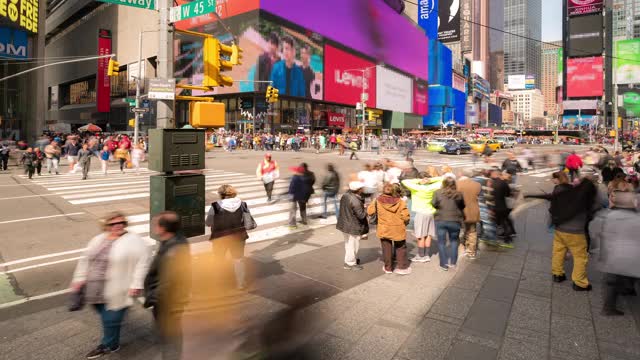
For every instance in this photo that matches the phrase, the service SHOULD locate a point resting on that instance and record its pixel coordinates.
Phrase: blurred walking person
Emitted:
(352, 222)
(167, 285)
(424, 226)
(268, 171)
(574, 164)
(137, 156)
(111, 273)
(28, 161)
(84, 160)
(52, 153)
(104, 159)
(39, 158)
(470, 190)
(299, 192)
(393, 217)
(71, 149)
(229, 230)
(353, 146)
(4, 156)
(330, 188)
(122, 154)
(449, 205)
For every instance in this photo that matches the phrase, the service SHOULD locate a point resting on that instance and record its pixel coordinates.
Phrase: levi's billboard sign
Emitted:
(344, 80)
(335, 119)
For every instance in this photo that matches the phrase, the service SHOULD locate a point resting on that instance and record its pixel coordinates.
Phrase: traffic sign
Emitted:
(192, 9)
(143, 4)
(131, 102)
(140, 110)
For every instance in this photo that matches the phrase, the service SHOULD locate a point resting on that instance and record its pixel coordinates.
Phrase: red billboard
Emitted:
(103, 83)
(420, 97)
(335, 119)
(583, 7)
(585, 77)
(344, 82)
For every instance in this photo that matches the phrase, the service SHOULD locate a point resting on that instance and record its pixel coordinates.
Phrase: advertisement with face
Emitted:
(393, 91)
(289, 57)
(627, 61)
(585, 35)
(449, 21)
(583, 7)
(420, 97)
(585, 77)
(344, 82)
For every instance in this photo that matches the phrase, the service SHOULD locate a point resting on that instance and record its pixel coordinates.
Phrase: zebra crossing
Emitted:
(116, 188)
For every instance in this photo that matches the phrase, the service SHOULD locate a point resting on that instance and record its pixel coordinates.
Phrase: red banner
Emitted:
(346, 87)
(585, 77)
(335, 119)
(420, 97)
(103, 83)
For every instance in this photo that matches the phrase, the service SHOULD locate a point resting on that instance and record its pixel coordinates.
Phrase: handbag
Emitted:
(248, 220)
(373, 219)
(77, 299)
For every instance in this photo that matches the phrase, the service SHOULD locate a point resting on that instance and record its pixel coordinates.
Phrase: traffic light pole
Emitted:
(164, 115)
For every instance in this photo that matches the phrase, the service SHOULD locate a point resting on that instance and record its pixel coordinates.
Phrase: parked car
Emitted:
(479, 145)
(506, 141)
(456, 147)
(437, 144)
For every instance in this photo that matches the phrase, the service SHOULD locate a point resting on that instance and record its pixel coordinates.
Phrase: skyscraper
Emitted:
(522, 50)
(550, 53)
(626, 19)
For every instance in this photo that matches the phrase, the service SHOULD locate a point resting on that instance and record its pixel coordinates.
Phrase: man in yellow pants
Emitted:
(577, 245)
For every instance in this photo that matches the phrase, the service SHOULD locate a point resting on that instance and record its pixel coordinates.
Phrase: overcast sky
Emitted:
(551, 20)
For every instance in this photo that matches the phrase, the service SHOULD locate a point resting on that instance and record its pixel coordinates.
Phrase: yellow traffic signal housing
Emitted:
(236, 55)
(214, 57)
(267, 95)
(274, 95)
(207, 115)
(114, 68)
(132, 122)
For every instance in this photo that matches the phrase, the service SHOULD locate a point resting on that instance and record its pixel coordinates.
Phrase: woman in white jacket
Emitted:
(112, 272)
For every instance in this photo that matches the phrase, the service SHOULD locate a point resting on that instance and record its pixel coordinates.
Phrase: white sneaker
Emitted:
(386, 271)
(416, 258)
(406, 271)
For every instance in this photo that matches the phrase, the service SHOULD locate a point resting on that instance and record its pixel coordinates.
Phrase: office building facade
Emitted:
(551, 55)
(528, 105)
(522, 51)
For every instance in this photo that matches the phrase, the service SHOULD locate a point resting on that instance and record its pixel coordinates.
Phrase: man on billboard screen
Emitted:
(286, 75)
(309, 74)
(266, 61)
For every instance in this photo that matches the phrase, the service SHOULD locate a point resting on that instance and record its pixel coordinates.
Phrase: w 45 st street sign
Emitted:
(143, 4)
(192, 9)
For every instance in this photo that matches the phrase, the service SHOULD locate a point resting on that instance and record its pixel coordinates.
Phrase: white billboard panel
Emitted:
(516, 82)
(393, 91)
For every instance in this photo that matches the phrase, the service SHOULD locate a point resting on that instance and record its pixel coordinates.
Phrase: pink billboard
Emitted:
(420, 97)
(585, 77)
(344, 80)
(583, 7)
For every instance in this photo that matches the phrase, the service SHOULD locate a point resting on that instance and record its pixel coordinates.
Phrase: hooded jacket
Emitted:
(421, 194)
(225, 218)
(353, 218)
(393, 217)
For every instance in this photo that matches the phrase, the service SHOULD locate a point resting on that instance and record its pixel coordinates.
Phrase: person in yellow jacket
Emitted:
(422, 190)
(122, 154)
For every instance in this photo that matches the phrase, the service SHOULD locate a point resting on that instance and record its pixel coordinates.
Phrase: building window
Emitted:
(80, 92)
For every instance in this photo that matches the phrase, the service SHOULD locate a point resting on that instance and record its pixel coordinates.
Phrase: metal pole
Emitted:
(164, 114)
(615, 117)
(364, 123)
(57, 63)
(136, 120)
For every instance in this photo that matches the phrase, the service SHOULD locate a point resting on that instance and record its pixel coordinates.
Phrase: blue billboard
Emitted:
(428, 17)
(13, 43)
(460, 100)
(440, 64)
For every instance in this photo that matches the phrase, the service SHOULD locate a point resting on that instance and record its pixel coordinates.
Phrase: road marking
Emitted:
(47, 256)
(39, 218)
(26, 197)
(32, 298)
(41, 265)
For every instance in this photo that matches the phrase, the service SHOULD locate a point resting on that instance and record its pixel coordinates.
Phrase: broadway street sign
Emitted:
(143, 4)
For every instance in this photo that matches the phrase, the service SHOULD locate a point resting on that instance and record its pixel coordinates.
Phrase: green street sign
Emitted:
(131, 102)
(143, 4)
(192, 9)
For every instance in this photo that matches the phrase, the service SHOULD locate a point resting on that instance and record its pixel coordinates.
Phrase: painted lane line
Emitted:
(32, 298)
(109, 198)
(130, 182)
(26, 197)
(41, 257)
(121, 180)
(39, 218)
(30, 267)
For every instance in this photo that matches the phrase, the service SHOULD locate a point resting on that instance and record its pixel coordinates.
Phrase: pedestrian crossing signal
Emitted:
(114, 68)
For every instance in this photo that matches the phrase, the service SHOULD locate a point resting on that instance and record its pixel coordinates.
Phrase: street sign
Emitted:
(143, 4)
(131, 102)
(192, 9)
(162, 89)
(140, 110)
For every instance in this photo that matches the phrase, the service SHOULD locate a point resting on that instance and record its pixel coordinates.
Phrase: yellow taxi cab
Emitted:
(479, 145)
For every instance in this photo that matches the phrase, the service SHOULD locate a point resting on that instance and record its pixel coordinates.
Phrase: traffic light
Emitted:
(114, 68)
(215, 62)
(132, 122)
(207, 115)
(274, 95)
(268, 94)
(236, 55)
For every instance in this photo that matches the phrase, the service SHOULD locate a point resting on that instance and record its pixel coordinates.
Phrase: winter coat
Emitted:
(421, 195)
(28, 159)
(352, 219)
(225, 218)
(331, 183)
(470, 192)
(448, 208)
(511, 166)
(574, 162)
(309, 180)
(393, 217)
(615, 244)
(298, 188)
(128, 265)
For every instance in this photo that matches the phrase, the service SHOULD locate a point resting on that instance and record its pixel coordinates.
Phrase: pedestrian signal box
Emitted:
(184, 194)
(176, 149)
(207, 115)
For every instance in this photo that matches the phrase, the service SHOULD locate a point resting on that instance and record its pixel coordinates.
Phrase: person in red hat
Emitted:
(268, 171)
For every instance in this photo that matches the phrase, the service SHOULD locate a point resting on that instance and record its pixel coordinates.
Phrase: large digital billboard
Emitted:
(393, 91)
(516, 82)
(630, 100)
(585, 35)
(627, 68)
(368, 27)
(449, 21)
(428, 17)
(420, 97)
(583, 7)
(288, 56)
(343, 82)
(585, 77)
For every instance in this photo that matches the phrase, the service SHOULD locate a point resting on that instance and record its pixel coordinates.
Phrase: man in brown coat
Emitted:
(470, 190)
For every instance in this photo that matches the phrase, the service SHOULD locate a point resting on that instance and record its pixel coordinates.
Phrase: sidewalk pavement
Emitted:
(503, 305)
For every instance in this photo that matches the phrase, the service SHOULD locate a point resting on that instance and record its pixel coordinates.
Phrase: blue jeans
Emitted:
(111, 323)
(334, 197)
(442, 229)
